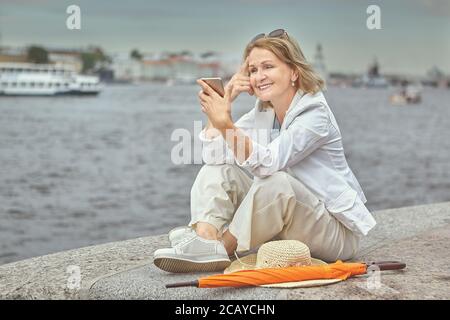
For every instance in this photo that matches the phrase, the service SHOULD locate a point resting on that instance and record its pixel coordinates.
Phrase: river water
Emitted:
(79, 171)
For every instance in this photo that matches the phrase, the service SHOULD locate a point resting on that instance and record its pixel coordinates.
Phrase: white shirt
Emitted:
(308, 147)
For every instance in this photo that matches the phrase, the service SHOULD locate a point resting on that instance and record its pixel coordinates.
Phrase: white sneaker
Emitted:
(192, 254)
(179, 233)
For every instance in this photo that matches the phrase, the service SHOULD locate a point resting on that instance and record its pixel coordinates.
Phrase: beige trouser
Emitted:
(275, 207)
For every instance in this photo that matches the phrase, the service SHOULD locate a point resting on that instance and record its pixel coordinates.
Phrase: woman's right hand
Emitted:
(240, 82)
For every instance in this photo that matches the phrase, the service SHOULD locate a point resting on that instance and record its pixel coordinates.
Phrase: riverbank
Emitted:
(418, 236)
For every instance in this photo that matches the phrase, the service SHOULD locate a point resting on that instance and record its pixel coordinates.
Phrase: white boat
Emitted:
(29, 79)
(411, 94)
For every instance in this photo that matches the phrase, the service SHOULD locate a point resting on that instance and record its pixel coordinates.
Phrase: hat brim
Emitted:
(249, 263)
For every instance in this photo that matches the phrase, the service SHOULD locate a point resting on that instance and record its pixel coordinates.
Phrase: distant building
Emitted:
(184, 69)
(69, 58)
(180, 68)
(319, 63)
(210, 69)
(436, 78)
(342, 80)
(61, 57)
(8, 54)
(156, 69)
(125, 68)
(12, 58)
(211, 64)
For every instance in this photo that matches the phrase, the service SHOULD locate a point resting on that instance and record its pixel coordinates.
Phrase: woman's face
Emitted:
(270, 77)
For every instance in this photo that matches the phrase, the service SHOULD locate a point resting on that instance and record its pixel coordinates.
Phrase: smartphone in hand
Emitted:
(216, 84)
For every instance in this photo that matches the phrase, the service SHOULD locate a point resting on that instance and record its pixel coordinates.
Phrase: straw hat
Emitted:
(281, 254)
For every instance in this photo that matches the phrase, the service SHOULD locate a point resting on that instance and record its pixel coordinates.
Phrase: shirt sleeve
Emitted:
(306, 133)
(216, 150)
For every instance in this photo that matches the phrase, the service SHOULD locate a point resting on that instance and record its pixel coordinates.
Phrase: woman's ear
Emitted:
(294, 75)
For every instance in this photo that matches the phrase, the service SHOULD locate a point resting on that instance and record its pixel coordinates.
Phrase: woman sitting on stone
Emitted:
(302, 187)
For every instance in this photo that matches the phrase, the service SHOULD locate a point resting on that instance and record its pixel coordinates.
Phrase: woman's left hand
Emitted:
(217, 109)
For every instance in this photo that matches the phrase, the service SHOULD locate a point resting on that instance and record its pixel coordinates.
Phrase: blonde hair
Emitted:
(287, 50)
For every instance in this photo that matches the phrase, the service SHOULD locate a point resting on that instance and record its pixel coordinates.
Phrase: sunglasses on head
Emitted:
(278, 33)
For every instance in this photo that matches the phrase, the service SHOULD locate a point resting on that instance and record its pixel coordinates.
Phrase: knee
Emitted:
(285, 183)
(275, 183)
(279, 178)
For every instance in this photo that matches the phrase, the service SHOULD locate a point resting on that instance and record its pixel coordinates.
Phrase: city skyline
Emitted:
(413, 36)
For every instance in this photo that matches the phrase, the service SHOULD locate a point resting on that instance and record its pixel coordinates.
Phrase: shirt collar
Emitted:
(295, 100)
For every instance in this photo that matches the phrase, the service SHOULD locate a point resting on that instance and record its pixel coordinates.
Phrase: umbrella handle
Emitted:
(387, 265)
(183, 284)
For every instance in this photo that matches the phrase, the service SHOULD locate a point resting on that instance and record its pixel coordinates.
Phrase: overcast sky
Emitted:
(415, 34)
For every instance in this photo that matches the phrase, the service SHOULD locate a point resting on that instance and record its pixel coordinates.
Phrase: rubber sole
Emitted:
(183, 266)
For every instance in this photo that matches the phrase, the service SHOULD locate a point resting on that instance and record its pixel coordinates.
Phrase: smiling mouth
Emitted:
(265, 86)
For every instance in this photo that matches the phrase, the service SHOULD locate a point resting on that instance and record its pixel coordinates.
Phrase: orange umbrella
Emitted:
(337, 270)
